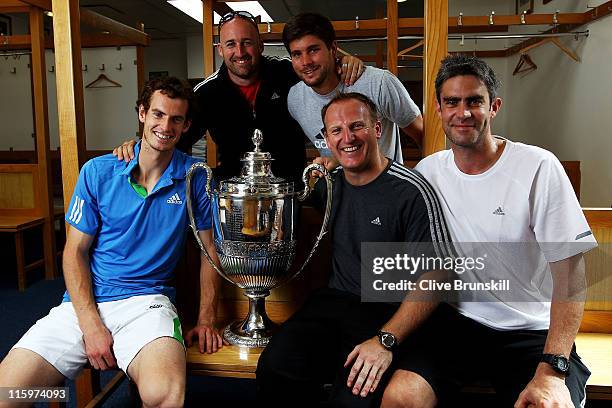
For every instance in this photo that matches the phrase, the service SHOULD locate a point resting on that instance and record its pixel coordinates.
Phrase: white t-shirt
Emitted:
(525, 197)
(395, 108)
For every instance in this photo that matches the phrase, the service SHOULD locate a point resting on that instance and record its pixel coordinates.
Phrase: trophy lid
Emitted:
(256, 179)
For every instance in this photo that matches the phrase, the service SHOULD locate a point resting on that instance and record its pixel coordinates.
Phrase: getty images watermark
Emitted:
(472, 272)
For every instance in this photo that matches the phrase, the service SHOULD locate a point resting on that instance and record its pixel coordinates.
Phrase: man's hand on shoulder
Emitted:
(370, 360)
(125, 152)
(208, 338)
(350, 69)
(546, 389)
(99, 346)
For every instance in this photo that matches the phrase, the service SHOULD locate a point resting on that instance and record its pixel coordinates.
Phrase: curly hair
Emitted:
(172, 87)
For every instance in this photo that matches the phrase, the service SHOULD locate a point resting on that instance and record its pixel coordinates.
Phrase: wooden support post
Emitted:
(69, 78)
(392, 33)
(435, 49)
(41, 115)
(209, 68)
(140, 74)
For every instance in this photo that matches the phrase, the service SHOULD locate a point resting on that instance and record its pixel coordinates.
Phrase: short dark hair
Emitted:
(371, 106)
(309, 24)
(172, 87)
(461, 64)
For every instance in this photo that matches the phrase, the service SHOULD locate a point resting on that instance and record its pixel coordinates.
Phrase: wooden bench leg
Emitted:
(87, 386)
(49, 249)
(20, 260)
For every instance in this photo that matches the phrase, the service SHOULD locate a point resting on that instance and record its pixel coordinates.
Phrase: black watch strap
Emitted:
(558, 362)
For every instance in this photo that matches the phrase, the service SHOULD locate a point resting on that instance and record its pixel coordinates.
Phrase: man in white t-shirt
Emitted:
(515, 198)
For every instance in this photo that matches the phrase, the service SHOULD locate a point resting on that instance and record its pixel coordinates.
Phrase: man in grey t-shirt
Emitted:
(310, 41)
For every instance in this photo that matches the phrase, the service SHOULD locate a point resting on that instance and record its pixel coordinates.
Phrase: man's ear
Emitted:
(378, 128)
(141, 113)
(438, 108)
(219, 51)
(186, 125)
(495, 107)
(334, 48)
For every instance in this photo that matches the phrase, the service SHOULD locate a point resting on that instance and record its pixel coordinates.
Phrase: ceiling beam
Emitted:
(14, 9)
(42, 4)
(103, 23)
(468, 24)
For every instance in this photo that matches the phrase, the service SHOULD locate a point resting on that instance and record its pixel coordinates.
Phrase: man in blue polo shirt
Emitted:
(128, 228)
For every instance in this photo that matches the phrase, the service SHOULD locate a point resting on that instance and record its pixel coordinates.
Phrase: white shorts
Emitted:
(133, 323)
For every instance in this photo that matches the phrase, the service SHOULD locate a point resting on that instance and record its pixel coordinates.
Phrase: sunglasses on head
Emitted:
(239, 13)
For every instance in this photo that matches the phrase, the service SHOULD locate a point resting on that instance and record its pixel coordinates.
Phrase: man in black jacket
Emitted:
(248, 92)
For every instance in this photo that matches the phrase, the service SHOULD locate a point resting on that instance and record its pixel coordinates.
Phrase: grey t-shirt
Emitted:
(395, 108)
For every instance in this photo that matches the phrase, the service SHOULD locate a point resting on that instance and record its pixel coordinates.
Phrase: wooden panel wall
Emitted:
(19, 189)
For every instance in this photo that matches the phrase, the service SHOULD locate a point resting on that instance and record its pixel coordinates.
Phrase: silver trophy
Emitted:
(253, 224)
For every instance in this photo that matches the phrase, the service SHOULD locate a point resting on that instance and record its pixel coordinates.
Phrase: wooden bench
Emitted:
(17, 225)
(21, 209)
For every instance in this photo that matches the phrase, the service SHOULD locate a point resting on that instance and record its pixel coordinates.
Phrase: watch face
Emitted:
(387, 340)
(562, 364)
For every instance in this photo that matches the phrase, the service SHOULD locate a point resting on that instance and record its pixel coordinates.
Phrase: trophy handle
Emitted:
(304, 195)
(194, 167)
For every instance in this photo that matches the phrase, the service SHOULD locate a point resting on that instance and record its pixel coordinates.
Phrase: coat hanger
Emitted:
(525, 64)
(102, 81)
(558, 43)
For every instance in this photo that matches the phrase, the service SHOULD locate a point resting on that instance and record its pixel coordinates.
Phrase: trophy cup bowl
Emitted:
(253, 223)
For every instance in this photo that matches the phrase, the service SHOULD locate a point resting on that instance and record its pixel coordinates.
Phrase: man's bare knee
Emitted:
(168, 393)
(159, 371)
(408, 390)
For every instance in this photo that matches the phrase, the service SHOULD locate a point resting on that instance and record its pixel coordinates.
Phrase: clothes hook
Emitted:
(269, 27)
(52, 69)
(101, 68)
(462, 42)
(356, 22)
(119, 67)
(523, 14)
(556, 18)
(491, 17)
(460, 20)
(85, 68)
(14, 70)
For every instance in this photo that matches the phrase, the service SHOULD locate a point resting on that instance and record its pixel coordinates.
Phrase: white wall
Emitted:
(110, 117)
(166, 55)
(565, 106)
(109, 112)
(15, 105)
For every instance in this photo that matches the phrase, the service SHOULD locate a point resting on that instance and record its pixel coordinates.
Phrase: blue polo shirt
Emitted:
(138, 240)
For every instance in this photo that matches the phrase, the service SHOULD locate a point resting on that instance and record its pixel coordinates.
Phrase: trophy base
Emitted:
(256, 329)
(237, 337)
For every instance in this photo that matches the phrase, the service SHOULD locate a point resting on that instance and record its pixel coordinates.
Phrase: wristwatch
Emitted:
(558, 362)
(387, 340)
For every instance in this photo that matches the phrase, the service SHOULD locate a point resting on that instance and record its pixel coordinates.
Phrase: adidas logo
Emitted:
(499, 211)
(320, 144)
(157, 306)
(274, 96)
(175, 199)
(376, 221)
